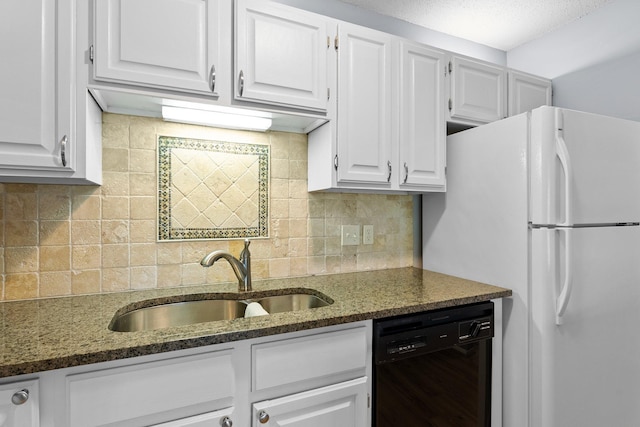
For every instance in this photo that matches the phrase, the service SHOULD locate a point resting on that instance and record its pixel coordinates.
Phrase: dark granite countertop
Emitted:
(44, 334)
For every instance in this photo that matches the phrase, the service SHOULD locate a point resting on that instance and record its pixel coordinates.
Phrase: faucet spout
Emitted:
(241, 267)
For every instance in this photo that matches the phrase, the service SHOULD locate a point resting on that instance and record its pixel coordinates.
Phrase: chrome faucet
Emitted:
(241, 267)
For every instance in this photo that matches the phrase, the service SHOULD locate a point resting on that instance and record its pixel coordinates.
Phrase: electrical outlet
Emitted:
(367, 234)
(350, 235)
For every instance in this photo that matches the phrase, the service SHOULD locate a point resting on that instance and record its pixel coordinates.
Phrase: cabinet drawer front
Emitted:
(309, 358)
(209, 419)
(152, 392)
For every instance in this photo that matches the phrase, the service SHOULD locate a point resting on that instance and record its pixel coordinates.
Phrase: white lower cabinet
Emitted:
(336, 405)
(19, 404)
(317, 377)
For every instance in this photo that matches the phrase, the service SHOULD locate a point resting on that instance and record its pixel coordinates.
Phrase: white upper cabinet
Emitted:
(389, 130)
(421, 130)
(48, 130)
(281, 55)
(169, 44)
(477, 91)
(365, 91)
(527, 92)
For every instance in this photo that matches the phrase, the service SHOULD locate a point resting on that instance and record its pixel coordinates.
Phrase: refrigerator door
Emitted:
(584, 168)
(584, 372)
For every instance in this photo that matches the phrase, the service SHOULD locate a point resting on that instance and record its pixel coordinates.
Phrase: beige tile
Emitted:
(115, 135)
(86, 207)
(298, 267)
(279, 168)
(144, 277)
(298, 208)
(115, 159)
(53, 284)
(115, 207)
(86, 257)
(21, 233)
(54, 233)
(143, 254)
(143, 161)
(115, 183)
(21, 286)
(54, 206)
(169, 253)
(143, 134)
(86, 232)
(21, 206)
(142, 231)
(85, 282)
(279, 267)
(169, 276)
(143, 184)
(20, 188)
(55, 258)
(115, 256)
(143, 207)
(116, 231)
(115, 279)
(279, 208)
(193, 274)
(21, 259)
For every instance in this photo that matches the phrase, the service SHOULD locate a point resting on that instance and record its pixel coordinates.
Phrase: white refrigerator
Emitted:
(547, 203)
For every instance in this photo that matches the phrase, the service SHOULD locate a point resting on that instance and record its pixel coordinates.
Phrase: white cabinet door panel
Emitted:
(340, 405)
(281, 54)
(527, 92)
(31, 125)
(158, 43)
(478, 91)
(16, 414)
(364, 105)
(422, 123)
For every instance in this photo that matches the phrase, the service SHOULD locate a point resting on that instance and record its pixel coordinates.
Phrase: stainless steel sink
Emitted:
(168, 314)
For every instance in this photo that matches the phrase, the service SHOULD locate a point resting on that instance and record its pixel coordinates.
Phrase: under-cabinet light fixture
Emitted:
(215, 118)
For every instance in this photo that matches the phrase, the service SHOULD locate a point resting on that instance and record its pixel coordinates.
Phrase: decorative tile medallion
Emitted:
(212, 189)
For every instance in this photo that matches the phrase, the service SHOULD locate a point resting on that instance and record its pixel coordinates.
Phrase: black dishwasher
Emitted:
(433, 369)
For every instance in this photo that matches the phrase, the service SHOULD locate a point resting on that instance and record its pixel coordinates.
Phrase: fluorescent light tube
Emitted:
(215, 118)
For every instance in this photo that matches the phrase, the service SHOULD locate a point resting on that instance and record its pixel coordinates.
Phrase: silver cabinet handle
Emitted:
(63, 150)
(406, 173)
(212, 78)
(226, 422)
(263, 417)
(241, 82)
(389, 166)
(20, 397)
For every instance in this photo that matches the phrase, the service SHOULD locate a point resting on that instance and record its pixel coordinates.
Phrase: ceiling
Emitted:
(501, 24)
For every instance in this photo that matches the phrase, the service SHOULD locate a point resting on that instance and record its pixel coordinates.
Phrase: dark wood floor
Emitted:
(440, 389)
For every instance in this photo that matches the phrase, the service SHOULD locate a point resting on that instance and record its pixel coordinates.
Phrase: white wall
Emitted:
(594, 62)
(350, 13)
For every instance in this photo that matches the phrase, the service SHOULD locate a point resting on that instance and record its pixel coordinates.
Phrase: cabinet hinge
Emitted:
(450, 67)
(328, 93)
(336, 43)
(328, 42)
(368, 400)
(450, 104)
(335, 162)
(91, 53)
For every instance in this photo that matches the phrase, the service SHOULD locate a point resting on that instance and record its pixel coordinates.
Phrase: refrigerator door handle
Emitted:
(565, 162)
(567, 284)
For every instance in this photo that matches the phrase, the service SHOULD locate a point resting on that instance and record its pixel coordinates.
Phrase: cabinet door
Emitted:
(215, 418)
(527, 92)
(158, 43)
(32, 127)
(478, 91)
(421, 122)
(19, 404)
(343, 405)
(364, 137)
(281, 55)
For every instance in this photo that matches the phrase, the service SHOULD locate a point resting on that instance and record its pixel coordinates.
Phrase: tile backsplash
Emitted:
(68, 240)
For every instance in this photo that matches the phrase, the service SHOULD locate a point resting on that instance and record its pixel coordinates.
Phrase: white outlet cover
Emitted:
(350, 235)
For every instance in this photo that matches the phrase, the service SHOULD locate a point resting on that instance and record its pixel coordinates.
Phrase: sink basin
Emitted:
(158, 314)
